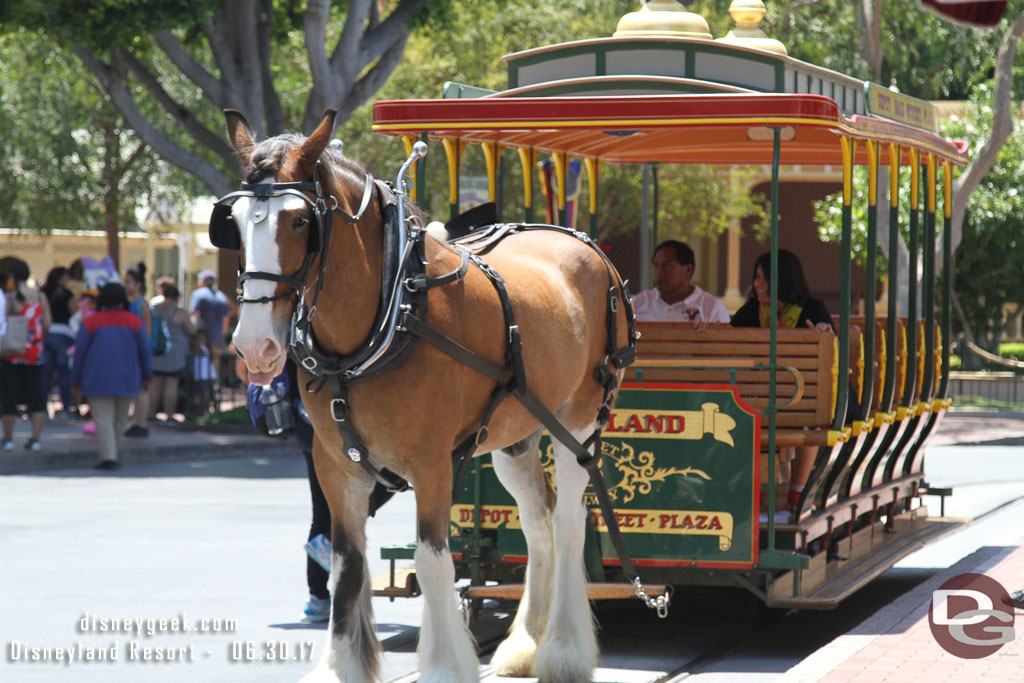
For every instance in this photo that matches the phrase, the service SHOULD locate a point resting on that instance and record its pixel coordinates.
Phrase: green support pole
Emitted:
(871, 275)
(915, 217)
(947, 287)
(773, 314)
(654, 209)
(893, 280)
(928, 292)
(843, 388)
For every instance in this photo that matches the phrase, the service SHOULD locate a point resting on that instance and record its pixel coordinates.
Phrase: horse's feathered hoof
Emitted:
(561, 661)
(515, 655)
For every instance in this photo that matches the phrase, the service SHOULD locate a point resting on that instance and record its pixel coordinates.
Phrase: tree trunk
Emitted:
(111, 193)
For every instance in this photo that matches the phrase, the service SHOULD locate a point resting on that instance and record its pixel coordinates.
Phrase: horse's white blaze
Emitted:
(446, 650)
(568, 650)
(255, 323)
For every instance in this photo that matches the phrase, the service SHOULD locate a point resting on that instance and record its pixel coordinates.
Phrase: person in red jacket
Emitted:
(113, 362)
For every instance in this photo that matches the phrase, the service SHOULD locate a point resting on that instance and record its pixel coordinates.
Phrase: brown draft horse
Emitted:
(412, 416)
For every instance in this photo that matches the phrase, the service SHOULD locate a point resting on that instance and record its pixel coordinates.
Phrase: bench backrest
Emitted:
(807, 352)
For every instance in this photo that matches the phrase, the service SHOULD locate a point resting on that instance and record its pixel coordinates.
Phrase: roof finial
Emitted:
(748, 14)
(662, 18)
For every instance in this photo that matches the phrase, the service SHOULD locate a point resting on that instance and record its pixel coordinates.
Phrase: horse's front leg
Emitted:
(446, 650)
(352, 651)
(568, 650)
(520, 472)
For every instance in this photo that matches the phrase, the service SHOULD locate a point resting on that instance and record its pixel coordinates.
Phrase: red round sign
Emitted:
(971, 616)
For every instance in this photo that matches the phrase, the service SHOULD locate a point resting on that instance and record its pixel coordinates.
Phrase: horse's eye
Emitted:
(300, 222)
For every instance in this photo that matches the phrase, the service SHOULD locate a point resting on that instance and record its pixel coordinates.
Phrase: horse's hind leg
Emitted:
(352, 652)
(568, 650)
(520, 472)
(446, 650)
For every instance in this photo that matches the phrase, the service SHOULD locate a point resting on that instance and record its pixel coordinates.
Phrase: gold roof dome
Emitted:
(662, 18)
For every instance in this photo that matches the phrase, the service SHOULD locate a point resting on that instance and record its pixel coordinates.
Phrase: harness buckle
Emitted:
(513, 334)
(613, 303)
(354, 455)
(339, 410)
(309, 363)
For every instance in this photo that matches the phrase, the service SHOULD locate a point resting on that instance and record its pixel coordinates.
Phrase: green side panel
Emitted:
(680, 464)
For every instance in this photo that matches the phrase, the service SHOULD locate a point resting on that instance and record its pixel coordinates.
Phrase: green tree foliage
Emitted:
(924, 55)
(467, 48)
(68, 160)
(989, 280)
(169, 66)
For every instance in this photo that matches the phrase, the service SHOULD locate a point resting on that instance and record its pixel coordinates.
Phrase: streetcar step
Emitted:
(595, 591)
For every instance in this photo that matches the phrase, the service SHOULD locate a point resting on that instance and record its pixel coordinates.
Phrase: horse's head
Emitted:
(275, 228)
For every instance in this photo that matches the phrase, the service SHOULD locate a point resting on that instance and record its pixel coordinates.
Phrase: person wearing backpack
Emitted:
(135, 288)
(21, 374)
(169, 367)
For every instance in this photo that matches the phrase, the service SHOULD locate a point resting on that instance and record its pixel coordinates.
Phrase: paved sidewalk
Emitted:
(979, 426)
(66, 446)
(896, 644)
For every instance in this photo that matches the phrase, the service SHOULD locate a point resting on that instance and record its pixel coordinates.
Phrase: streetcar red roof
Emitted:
(715, 129)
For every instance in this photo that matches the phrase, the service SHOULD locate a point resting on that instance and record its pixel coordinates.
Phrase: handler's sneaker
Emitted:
(319, 549)
(317, 610)
(8, 445)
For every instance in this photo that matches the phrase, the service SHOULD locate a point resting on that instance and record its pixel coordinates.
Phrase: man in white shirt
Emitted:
(675, 298)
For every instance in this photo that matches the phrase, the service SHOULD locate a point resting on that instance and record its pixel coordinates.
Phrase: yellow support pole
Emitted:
(849, 149)
(894, 175)
(407, 141)
(453, 153)
(492, 153)
(947, 188)
(527, 158)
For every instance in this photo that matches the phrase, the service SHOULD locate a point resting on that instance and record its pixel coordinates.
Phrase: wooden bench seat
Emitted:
(810, 375)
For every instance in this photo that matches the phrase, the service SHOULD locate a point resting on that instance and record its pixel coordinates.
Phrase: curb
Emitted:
(23, 463)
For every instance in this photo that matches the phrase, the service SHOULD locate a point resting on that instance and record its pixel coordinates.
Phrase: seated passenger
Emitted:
(796, 309)
(675, 298)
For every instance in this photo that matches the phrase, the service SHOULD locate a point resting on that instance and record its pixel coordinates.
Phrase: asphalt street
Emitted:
(120, 564)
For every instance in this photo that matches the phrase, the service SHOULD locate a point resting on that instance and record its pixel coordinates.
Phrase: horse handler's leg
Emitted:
(568, 651)
(446, 650)
(352, 651)
(520, 472)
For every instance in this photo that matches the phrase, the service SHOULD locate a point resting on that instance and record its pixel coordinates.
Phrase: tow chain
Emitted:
(659, 604)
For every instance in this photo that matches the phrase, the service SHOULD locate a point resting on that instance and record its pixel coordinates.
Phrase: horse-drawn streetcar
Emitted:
(418, 354)
(685, 455)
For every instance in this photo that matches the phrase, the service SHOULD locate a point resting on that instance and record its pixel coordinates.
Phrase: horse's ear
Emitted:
(315, 144)
(241, 135)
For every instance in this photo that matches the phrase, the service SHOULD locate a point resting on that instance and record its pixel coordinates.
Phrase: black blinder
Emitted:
(223, 229)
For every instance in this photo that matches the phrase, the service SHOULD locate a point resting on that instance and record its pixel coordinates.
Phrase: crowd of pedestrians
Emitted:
(115, 358)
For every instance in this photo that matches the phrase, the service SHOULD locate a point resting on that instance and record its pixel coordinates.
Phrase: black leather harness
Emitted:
(404, 283)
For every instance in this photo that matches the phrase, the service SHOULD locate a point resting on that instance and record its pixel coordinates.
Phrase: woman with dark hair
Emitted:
(112, 365)
(135, 288)
(796, 309)
(22, 374)
(59, 337)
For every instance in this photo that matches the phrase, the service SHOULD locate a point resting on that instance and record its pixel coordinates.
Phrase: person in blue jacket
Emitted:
(112, 364)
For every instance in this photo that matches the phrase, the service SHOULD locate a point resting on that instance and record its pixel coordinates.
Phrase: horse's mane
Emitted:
(267, 158)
